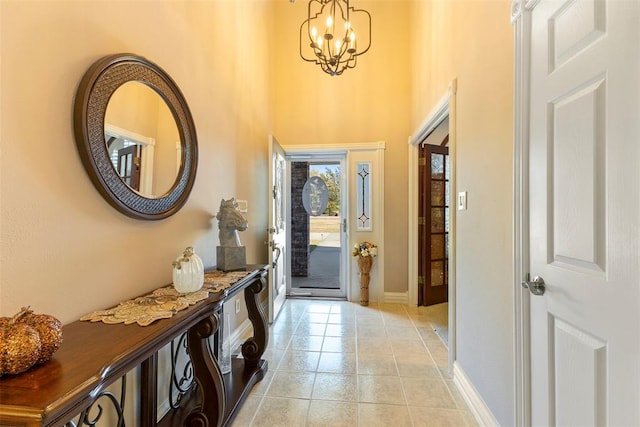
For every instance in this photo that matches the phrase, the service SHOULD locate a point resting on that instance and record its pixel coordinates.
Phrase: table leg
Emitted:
(253, 348)
(148, 392)
(207, 374)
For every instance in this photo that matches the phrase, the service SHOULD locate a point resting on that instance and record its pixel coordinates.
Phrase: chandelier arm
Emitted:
(334, 53)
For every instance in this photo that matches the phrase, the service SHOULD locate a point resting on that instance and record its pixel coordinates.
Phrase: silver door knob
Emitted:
(536, 286)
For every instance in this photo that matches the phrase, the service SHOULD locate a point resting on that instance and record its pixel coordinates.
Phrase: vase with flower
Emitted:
(365, 251)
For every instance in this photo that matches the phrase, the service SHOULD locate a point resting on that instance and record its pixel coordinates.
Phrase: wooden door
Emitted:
(433, 224)
(584, 216)
(129, 166)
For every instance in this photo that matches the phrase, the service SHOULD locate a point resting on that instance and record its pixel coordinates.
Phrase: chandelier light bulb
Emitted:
(314, 32)
(329, 21)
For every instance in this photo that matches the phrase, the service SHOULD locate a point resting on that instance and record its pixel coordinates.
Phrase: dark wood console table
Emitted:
(95, 355)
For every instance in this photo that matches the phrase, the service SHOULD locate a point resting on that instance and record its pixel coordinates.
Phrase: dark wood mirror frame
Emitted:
(96, 87)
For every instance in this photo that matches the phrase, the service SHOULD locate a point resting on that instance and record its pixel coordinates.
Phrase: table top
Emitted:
(92, 356)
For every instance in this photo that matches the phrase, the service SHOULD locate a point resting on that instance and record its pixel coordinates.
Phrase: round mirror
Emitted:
(142, 139)
(136, 136)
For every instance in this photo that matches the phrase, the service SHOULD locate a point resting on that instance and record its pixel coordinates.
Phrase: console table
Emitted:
(95, 355)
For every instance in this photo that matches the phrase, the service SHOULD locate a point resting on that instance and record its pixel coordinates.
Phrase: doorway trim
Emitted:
(351, 149)
(443, 109)
(521, 22)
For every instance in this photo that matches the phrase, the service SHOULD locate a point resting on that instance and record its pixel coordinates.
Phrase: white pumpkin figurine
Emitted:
(188, 272)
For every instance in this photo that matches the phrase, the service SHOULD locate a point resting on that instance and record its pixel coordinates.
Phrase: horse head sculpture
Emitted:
(230, 221)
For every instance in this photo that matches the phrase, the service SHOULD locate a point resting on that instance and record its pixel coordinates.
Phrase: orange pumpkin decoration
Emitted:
(27, 339)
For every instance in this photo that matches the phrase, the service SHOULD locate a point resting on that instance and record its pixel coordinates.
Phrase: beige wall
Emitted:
(472, 42)
(63, 249)
(366, 104)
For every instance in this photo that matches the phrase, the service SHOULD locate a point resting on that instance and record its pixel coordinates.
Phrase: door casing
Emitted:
(446, 107)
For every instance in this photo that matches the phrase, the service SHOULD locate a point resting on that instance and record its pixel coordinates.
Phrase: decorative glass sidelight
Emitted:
(363, 196)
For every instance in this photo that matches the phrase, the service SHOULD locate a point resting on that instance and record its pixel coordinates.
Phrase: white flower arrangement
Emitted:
(365, 249)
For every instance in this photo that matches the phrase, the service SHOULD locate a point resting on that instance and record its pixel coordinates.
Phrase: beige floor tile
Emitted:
(470, 419)
(280, 341)
(340, 330)
(420, 321)
(278, 412)
(332, 414)
(273, 356)
(412, 365)
(306, 343)
(377, 415)
(299, 361)
(368, 316)
(413, 346)
(261, 387)
(437, 417)
(455, 392)
(335, 387)
(380, 389)
(370, 345)
(392, 308)
(339, 344)
(444, 371)
(376, 364)
(306, 328)
(291, 384)
(339, 363)
(343, 307)
(283, 327)
(247, 411)
(342, 318)
(397, 320)
(319, 307)
(316, 317)
(440, 356)
(429, 335)
(427, 392)
(402, 332)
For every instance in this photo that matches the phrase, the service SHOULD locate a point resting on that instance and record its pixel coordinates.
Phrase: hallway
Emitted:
(335, 363)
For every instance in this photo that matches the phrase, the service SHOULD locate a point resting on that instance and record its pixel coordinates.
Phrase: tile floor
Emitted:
(335, 363)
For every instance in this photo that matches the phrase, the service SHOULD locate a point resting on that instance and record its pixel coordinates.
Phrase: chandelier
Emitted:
(328, 35)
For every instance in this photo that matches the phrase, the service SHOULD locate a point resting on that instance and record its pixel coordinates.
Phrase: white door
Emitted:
(583, 212)
(277, 228)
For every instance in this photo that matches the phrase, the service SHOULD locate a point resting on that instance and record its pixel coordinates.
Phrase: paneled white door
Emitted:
(277, 228)
(584, 215)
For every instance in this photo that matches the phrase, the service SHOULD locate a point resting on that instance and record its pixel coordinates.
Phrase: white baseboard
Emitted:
(396, 297)
(478, 407)
(241, 333)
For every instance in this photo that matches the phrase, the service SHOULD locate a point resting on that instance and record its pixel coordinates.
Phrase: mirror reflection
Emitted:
(142, 139)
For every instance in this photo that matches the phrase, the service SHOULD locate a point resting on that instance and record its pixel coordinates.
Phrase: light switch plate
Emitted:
(237, 306)
(462, 201)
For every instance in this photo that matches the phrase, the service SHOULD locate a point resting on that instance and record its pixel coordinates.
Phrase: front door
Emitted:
(318, 226)
(277, 228)
(584, 140)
